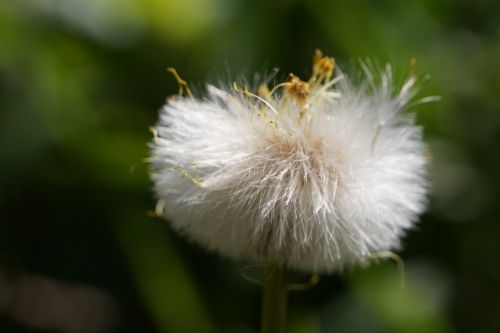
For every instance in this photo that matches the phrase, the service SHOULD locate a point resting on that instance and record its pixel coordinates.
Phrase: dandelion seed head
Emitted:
(315, 175)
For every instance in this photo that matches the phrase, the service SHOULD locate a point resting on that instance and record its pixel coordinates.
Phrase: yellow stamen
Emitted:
(388, 255)
(159, 208)
(264, 92)
(276, 87)
(413, 68)
(247, 93)
(297, 88)
(186, 174)
(182, 83)
(304, 286)
(322, 67)
(154, 131)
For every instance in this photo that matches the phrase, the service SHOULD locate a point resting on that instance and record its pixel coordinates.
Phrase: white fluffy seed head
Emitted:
(312, 175)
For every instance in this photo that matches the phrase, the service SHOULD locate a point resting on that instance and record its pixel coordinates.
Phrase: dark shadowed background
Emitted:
(82, 80)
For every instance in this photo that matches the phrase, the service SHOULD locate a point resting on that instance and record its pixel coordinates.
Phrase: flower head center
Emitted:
(297, 88)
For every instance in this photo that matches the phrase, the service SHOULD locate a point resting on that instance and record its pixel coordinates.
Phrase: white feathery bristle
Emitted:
(314, 175)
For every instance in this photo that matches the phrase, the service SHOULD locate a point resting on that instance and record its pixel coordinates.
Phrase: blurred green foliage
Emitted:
(81, 82)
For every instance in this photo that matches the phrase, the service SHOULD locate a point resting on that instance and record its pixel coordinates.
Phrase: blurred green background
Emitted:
(82, 80)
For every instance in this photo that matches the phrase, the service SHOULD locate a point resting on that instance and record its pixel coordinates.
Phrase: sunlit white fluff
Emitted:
(313, 184)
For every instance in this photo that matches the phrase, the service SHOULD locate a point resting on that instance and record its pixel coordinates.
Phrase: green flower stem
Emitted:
(274, 300)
